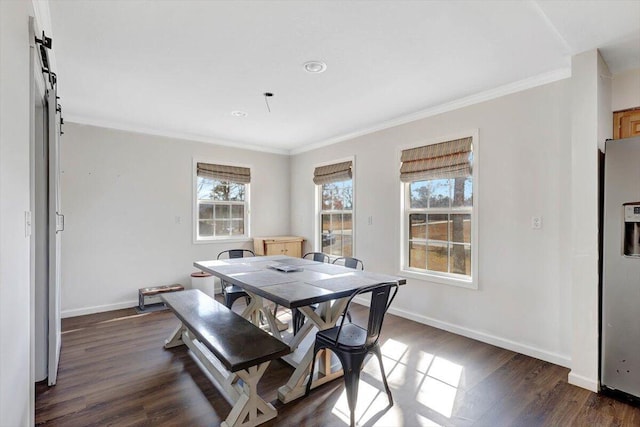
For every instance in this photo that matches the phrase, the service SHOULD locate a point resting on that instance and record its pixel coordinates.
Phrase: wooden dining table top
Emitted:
(312, 282)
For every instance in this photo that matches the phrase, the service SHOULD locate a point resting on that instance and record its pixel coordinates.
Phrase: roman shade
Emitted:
(450, 159)
(225, 173)
(333, 173)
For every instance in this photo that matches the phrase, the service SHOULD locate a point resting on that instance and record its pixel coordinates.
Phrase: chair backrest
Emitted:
(236, 253)
(317, 256)
(349, 262)
(380, 302)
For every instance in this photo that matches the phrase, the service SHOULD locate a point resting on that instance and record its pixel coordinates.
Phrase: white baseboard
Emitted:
(547, 356)
(584, 382)
(98, 309)
(107, 307)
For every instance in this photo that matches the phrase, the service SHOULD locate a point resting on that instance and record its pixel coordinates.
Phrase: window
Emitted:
(439, 210)
(335, 186)
(221, 201)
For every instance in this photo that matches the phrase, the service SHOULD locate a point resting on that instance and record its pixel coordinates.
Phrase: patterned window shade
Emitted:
(450, 159)
(225, 173)
(332, 173)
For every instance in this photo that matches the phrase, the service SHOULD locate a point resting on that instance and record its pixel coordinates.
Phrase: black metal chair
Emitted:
(317, 256)
(232, 292)
(349, 262)
(297, 316)
(352, 343)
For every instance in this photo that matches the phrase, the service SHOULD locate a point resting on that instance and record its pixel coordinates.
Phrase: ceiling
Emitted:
(180, 67)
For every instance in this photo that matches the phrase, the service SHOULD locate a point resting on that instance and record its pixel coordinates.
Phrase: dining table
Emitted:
(319, 290)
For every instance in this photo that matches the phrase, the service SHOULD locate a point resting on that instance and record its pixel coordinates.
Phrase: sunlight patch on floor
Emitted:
(445, 371)
(421, 360)
(392, 354)
(426, 422)
(371, 402)
(439, 387)
(434, 379)
(393, 349)
(437, 395)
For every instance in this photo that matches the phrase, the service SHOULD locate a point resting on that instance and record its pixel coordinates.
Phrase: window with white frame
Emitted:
(222, 201)
(439, 209)
(335, 185)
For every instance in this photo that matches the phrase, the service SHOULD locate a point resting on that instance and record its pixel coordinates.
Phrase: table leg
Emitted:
(252, 311)
(272, 320)
(175, 339)
(258, 310)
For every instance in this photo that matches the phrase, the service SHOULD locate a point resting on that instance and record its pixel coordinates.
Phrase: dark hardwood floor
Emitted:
(115, 371)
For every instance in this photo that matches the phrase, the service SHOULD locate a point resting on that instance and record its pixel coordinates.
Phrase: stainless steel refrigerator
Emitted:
(620, 354)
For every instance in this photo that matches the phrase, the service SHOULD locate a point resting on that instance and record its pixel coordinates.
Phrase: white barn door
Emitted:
(56, 225)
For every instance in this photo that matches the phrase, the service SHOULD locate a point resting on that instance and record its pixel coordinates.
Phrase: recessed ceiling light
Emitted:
(315, 66)
(238, 113)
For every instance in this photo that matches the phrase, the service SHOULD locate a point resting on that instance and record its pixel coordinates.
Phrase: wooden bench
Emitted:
(230, 348)
(155, 290)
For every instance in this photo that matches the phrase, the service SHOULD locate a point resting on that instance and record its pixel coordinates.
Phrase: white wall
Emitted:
(523, 301)
(626, 90)
(121, 194)
(590, 125)
(604, 102)
(16, 390)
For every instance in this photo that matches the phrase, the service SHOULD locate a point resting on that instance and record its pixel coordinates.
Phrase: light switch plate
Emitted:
(27, 223)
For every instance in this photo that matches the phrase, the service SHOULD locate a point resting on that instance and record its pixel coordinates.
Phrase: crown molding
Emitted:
(519, 86)
(83, 120)
(488, 95)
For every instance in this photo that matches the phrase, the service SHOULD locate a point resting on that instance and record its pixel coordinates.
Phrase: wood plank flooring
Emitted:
(114, 371)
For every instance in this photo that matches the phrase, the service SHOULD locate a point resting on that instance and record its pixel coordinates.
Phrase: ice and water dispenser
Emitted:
(632, 229)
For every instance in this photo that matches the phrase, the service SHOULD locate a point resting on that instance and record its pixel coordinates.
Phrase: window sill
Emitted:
(451, 281)
(223, 240)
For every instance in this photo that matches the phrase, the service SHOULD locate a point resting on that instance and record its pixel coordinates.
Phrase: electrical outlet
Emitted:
(536, 222)
(370, 220)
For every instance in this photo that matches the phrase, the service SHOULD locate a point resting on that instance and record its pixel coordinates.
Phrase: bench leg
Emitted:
(250, 409)
(227, 381)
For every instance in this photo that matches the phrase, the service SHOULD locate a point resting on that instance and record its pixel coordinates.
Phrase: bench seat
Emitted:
(244, 350)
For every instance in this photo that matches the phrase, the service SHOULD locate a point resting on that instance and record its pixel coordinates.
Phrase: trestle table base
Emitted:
(326, 317)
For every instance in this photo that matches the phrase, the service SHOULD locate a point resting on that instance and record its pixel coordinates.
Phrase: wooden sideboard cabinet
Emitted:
(280, 245)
